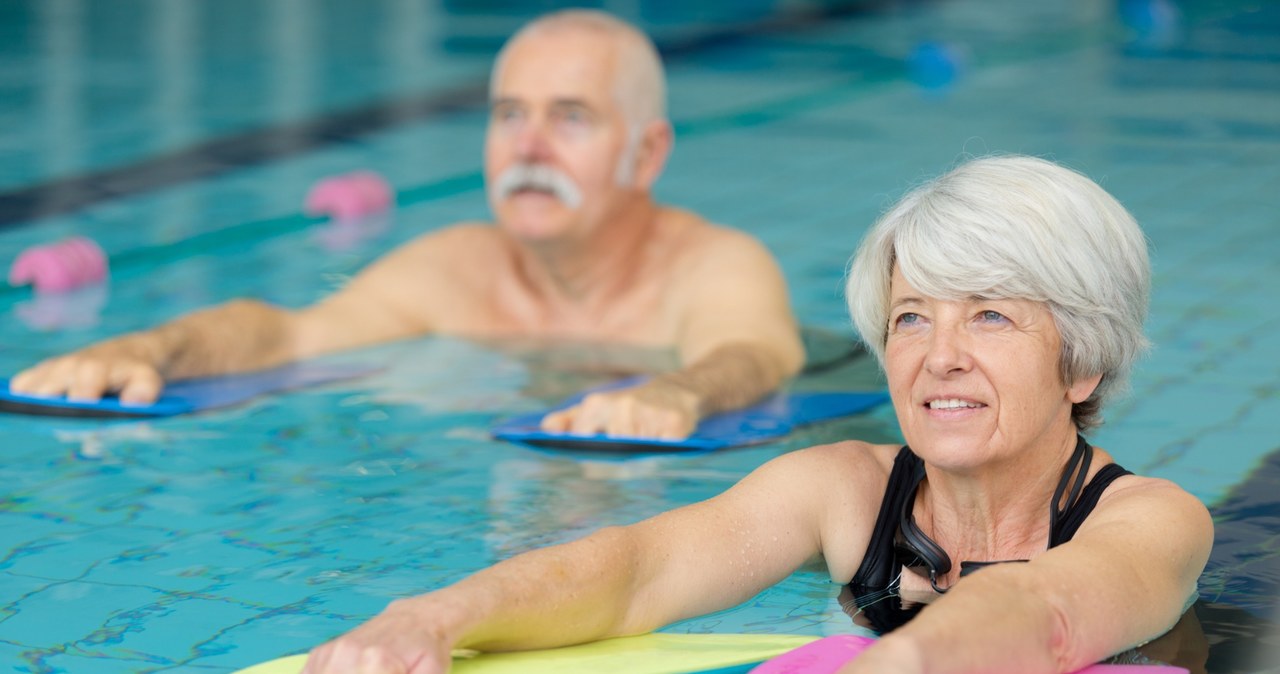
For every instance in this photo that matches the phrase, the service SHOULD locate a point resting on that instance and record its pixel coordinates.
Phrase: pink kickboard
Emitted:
(829, 654)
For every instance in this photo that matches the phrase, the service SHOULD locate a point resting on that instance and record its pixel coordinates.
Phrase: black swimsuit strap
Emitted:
(939, 562)
(1076, 513)
(874, 586)
(878, 567)
(1078, 464)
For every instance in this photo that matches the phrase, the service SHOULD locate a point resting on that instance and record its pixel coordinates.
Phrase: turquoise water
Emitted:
(182, 136)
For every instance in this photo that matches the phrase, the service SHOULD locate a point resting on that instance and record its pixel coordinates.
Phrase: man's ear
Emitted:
(656, 142)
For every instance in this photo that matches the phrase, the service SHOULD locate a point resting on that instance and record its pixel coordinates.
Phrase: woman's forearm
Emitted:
(572, 593)
(556, 596)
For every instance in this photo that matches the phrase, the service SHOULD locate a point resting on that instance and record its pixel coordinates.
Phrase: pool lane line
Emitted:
(861, 83)
(218, 156)
(142, 259)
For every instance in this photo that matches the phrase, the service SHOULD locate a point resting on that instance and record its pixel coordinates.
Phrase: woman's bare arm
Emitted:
(618, 581)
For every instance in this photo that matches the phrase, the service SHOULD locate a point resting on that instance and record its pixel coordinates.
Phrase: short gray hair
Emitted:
(1014, 227)
(640, 83)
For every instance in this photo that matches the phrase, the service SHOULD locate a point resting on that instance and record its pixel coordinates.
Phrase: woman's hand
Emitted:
(406, 638)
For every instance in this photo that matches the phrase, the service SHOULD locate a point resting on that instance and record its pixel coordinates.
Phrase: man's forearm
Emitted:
(730, 377)
(238, 336)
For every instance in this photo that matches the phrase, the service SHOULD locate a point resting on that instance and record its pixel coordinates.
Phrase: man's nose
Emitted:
(532, 142)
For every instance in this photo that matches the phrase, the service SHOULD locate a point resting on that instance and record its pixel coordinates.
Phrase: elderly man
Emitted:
(577, 138)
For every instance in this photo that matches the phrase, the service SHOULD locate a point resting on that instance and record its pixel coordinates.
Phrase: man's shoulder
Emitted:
(463, 234)
(456, 242)
(689, 223)
(451, 253)
(703, 240)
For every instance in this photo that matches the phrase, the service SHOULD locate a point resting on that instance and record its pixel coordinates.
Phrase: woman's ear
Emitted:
(1084, 387)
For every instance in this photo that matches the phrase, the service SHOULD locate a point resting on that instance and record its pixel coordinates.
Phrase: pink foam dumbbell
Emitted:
(59, 267)
(350, 196)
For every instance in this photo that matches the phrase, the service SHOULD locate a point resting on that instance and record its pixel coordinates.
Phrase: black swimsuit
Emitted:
(874, 588)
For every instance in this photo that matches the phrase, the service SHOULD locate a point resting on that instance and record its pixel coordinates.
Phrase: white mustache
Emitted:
(538, 177)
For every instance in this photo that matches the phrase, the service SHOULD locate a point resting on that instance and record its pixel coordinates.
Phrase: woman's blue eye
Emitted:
(908, 318)
(992, 316)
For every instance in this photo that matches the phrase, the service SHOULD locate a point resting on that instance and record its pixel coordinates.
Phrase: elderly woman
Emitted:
(1005, 301)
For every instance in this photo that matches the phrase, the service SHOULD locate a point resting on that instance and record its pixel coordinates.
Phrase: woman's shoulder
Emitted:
(1132, 485)
(859, 448)
(847, 460)
(1144, 490)
(845, 482)
(1155, 502)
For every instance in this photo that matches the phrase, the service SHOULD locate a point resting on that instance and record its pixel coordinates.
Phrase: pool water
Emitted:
(182, 136)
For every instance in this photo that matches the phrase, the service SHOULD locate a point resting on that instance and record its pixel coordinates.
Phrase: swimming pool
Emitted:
(183, 137)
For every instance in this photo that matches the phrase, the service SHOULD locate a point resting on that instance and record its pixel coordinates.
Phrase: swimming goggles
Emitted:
(916, 551)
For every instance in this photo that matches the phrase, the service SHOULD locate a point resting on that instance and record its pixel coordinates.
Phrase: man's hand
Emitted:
(656, 409)
(238, 336)
(400, 640)
(90, 373)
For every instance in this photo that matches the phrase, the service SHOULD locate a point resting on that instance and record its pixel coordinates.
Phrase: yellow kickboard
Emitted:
(646, 654)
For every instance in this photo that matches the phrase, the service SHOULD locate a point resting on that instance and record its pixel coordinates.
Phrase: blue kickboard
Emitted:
(770, 419)
(186, 396)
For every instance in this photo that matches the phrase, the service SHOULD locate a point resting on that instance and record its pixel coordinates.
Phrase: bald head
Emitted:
(638, 80)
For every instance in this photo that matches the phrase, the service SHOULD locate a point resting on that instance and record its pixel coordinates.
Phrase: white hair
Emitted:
(1014, 227)
(639, 82)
